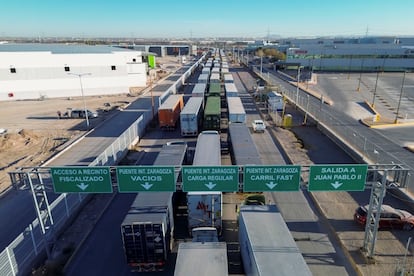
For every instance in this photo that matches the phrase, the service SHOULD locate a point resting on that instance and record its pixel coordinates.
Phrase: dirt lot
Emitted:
(35, 132)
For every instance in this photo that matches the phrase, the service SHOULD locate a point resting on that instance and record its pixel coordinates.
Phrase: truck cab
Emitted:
(204, 234)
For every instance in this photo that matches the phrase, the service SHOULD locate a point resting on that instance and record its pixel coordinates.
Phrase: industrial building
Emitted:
(348, 54)
(353, 57)
(37, 71)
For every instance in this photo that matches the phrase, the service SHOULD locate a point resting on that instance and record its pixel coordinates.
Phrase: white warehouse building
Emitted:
(36, 71)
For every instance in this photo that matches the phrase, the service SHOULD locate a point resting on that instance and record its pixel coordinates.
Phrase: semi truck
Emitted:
(169, 112)
(147, 231)
(236, 110)
(205, 210)
(199, 90)
(266, 244)
(231, 90)
(202, 259)
(191, 117)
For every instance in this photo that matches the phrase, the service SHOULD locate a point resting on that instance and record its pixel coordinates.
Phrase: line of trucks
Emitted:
(266, 245)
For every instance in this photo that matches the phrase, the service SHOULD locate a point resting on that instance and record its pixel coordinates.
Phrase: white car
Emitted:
(258, 126)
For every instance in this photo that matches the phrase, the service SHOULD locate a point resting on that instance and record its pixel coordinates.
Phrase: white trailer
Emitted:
(199, 90)
(215, 78)
(203, 78)
(231, 90)
(237, 114)
(228, 78)
(266, 244)
(191, 117)
(202, 259)
(206, 70)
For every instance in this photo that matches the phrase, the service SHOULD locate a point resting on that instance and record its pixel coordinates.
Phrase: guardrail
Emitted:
(28, 247)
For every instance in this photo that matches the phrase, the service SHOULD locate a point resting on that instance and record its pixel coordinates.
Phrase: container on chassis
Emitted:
(224, 71)
(191, 117)
(236, 110)
(169, 112)
(243, 148)
(214, 89)
(208, 152)
(216, 69)
(206, 70)
(147, 231)
(202, 259)
(228, 78)
(212, 114)
(215, 78)
(199, 90)
(231, 90)
(203, 78)
(266, 244)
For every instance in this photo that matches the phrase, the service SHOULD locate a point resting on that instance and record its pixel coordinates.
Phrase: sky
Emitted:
(205, 19)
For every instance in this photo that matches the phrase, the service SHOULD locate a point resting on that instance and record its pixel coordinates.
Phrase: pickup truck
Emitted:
(258, 126)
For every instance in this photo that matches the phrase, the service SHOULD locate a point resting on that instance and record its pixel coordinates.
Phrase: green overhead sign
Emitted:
(271, 178)
(145, 179)
(337, 177)
(215, 178)
(81, 179)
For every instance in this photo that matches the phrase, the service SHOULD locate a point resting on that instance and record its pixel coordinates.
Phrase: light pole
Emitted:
(360, 75)
(297, 86)
(261, 65)
(399, 101)
(375, 89)
(83, 97)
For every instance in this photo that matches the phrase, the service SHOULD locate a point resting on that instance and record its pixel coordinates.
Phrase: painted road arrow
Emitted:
(82, 186)
(210, 185)
(146, 185)
(271, 185)
(336, 185)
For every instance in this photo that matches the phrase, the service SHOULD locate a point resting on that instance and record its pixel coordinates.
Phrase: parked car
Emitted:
(80, 113)
(389, 218)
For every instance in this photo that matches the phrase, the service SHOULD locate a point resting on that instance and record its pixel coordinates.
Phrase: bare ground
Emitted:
(35, 133)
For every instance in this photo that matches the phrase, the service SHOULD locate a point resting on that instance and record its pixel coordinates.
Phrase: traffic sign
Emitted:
(145, 179)
(271, 178)
(81, 179)
(337, 177)
(214, 178)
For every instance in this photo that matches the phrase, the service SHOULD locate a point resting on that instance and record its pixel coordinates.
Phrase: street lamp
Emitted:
(261, 65)
(83, 97)
(297, 86)
(360, 75)
(399, 101)
(375, 89)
